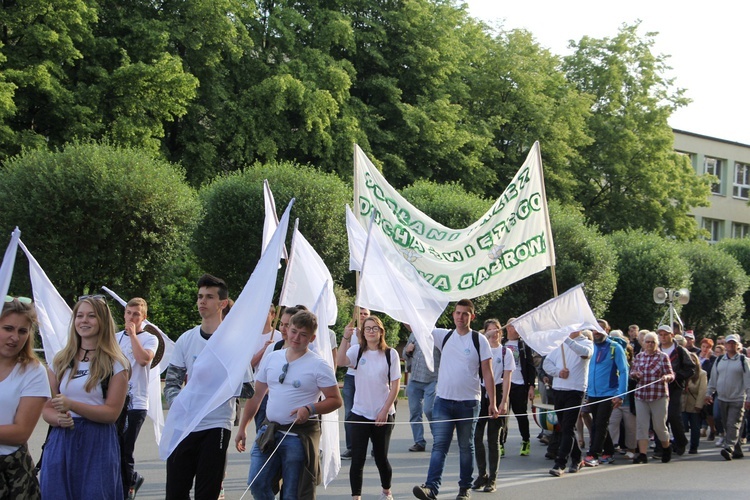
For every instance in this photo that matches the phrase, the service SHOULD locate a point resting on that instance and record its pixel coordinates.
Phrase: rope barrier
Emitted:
(269, 459)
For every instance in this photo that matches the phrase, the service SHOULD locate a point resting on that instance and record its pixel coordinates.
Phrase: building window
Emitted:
(741, 187)
(740, 230)
(713, 226)
(712, 166)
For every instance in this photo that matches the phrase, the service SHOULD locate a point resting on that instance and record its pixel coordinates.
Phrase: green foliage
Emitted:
(583, 255)
(740, 250)
(98, 215)
(227, 242)
(630, 176)
(718, 283)
(646, 261)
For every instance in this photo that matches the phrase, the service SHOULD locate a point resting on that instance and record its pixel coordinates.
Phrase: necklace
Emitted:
(86, 353)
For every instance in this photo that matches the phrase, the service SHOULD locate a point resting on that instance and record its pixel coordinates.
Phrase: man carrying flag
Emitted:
(202, 454)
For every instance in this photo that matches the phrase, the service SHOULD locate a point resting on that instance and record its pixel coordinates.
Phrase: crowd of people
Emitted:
(633, 392)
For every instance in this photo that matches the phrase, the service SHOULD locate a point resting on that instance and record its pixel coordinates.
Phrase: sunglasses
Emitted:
(93, 297)
(22, 300)
(283, 373)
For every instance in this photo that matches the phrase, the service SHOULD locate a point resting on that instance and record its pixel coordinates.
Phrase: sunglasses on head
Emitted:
(93, 297)
(22, 300)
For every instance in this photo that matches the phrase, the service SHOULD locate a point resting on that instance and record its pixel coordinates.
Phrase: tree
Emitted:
(96, 214)
(646, 261)
(630, 176)
(718, 283)
(227, 241)
(740, 250)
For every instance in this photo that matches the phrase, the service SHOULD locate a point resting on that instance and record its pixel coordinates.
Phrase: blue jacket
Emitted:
(608, 370)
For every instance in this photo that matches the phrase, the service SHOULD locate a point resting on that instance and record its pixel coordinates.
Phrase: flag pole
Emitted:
(550, 241)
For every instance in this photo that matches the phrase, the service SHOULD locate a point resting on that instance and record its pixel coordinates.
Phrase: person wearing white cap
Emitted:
(690, 342)
(730, 377)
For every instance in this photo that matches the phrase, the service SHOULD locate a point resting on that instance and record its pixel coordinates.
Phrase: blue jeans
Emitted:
(421, 399)
(348, 395)
(290, 454)
(442, 433)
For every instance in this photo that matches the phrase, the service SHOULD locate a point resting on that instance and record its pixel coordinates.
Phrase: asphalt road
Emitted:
(705, 475)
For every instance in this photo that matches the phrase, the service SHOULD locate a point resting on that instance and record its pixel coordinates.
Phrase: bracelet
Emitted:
(347, 339)
(310, 409)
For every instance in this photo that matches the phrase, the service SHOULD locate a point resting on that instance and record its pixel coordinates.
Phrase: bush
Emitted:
(716, 305)
(95, 214)
(227, 241)
(646, 261)
(740, 250)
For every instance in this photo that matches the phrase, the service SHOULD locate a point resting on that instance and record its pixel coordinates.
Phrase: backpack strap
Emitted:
(278, 345)
(387, 360)
(475, 341)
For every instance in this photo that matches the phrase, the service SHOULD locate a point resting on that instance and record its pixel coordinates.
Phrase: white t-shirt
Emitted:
(517, 375)
(352, 342)
(304, 379)
(138, 386)
(501, 363)
(371, 380)
(458, 377)
(73, 385)
(31, 382)
(186, 351)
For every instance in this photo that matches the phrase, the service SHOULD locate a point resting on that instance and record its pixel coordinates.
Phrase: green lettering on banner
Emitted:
(365, 207)
(402, 215)
(454, 236)
(377, 191)
(386, 226)
(509, 259)
(470, 252)
(401, 236)
(417, 226)
(482, 275)
(454, 256)
(442, 283)
(417, 245)
(524, 177)
(537, 245)
(466, 282)
(435, 253)
(434, 234)
(485, 241)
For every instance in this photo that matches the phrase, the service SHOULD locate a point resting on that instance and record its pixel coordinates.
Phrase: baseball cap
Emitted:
(733, 338)
(689, 334)
(665, 328)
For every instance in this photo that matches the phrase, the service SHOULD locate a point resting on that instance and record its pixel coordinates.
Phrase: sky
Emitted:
(708, 44)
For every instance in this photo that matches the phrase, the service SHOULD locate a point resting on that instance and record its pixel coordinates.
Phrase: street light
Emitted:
(671, 296)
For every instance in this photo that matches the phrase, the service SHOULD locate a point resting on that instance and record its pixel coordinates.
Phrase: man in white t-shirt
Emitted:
(139, 347)
(201, 456)
(464, 353)
(288, 445)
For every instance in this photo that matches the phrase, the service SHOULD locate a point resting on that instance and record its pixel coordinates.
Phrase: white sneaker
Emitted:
(629, 455)
(719, 441)
(386, 496)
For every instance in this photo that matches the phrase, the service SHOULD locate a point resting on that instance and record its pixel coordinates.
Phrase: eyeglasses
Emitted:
(22, 300)
(93, 297)
(649, 342)
(283, 373)
(371, 329)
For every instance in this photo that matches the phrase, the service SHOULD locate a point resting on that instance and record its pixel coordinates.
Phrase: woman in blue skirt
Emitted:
(89, 380)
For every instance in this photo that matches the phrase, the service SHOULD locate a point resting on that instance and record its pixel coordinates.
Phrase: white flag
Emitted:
(329, 427)
(155, 406)
(9, 261)
(511, 241)
(305, 274)
(357, 240)
(271, 220)
(221, 367)
(545, 327)
(390, 284)
(53, 312)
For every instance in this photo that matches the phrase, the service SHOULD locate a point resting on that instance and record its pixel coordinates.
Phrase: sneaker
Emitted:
(550, 456)
(347, 455)
(666, 454)
(711, 436)
(386, 496)
(630, 455)
(502, 450)
(726, 453)
(590, 461)
(544, 439)
(463, 494)
(679, 450)
(557, 470)
(606, 459)
(719, 441)
(423, 492)
(737, 452)
(416, 447)
(490, 486)
(480, 482)
(222, 496)
(525, 448)
(693, 451)
(703, 432)
(575, 467)
(641, 458)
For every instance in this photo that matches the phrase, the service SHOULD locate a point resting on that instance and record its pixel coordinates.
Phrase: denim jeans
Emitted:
(421, 399)
(348, 395)
(289, 459)
(442, 433)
